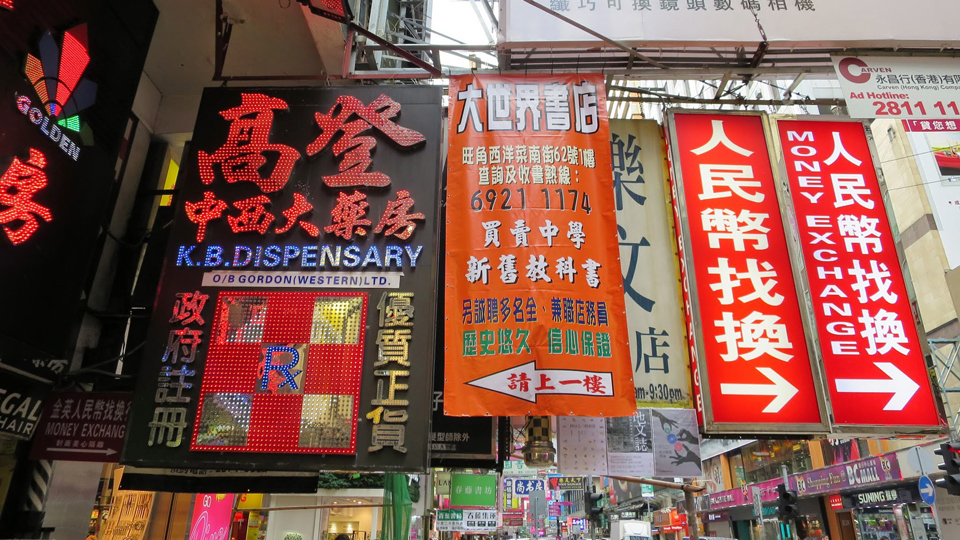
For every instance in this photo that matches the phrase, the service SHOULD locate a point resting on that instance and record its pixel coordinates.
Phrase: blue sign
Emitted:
(524, 487)
(927, 492)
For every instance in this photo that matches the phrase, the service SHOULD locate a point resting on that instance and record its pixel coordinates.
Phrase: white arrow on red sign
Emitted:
(899, 384)
(781, 389)
(526, 382)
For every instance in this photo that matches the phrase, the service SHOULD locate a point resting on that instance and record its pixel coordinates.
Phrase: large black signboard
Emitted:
(294, 326)
(69, 71)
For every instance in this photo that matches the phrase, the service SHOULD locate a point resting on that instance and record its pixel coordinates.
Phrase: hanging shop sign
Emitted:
(565, 482)
(899, 86)
(872, 354)
(21, 402)
(470, 521)
(648, 259)
(65, 110)
(677, 22)
(535, 321)
(82, 426)
(294, 326)
(746, 330)
(473, 490)
(663, 443)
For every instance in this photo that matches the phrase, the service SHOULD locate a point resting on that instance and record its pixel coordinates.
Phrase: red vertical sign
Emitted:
(753, 354)
(874, 363)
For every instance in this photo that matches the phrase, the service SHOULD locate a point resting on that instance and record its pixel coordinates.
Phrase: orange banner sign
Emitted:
(535, 316)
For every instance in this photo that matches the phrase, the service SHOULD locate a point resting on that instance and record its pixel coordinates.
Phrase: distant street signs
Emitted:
(524, 487)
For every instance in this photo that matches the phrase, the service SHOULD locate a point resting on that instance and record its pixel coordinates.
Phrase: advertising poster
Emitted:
(294, 326)
(746, 327)
(899, 86)
(212, 516)
(872, 354)
(662, 443)
(676, 443)
(533, 288)
(648, 260)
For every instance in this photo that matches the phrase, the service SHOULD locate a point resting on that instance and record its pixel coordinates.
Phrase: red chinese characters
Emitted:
(753, 344)
(874, 364)
(249, 156)
(350, 118)
(248, 151)
(19, 213)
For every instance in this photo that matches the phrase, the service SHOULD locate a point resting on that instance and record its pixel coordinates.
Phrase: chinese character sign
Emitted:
(648, 261)
(534, 295)
(750, 343)
(872, 355)
(294, 326)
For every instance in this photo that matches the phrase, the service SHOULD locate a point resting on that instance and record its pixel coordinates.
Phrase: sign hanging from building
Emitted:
(82, 426)
(21, 402)
(899, 86)
(648, 259)
(814, 23)
(294, 326)
(872, 353)
(535, 303)
(746, 330)
(64, 114)
(473, 491)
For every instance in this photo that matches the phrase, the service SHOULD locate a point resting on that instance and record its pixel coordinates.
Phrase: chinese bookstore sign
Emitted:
(648, 259)
(747, 332)
(294, 324)
(470, 490)
(534, 300)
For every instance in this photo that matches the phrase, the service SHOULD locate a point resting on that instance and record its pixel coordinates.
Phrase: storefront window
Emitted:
(762, 460)
(837, 451)
(878, 524)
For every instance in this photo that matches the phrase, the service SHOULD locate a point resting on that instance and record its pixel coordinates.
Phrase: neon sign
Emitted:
(6, 4)
(18, 211)
(57, 79)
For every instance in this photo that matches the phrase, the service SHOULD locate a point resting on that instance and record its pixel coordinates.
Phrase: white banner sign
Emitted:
(648, 260)
(303, 280)
(804, 22)
(899, 86)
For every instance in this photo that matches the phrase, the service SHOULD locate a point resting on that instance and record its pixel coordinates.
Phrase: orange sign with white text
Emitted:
(534, 309)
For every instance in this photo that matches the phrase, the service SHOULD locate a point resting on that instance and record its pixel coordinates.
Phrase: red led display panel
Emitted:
(8, 4)
(283, 373)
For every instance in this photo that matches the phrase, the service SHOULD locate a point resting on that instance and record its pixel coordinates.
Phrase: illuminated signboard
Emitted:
(294, 327)
(747, 331)
(872, 354)
(6, 4)
(56, 179)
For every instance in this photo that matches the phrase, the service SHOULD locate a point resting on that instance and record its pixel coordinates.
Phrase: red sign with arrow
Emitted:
(753, 358)
(871, 349)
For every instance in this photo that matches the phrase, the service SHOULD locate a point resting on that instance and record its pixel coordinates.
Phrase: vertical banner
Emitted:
(295, 322)
(535, 312)
(648, 259)
(753, 361)
(872, 354)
